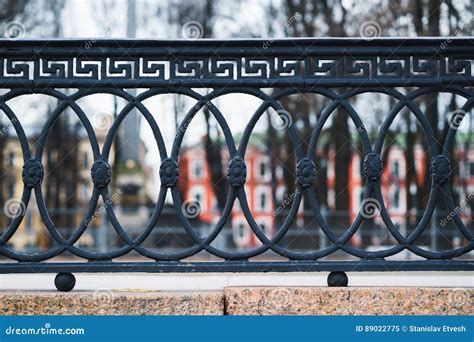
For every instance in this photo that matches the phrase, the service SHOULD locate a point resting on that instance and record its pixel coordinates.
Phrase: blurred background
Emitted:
(270, 186)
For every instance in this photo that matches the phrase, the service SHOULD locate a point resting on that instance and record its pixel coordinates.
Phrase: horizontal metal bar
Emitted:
(240, 266)
(256, 42)
(229, 49)
(39, 64)
(38, 85)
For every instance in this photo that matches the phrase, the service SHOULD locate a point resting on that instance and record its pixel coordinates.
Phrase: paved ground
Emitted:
(186, 282)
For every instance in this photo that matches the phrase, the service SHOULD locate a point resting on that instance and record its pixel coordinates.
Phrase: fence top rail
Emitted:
(329, 62)
(356, 41)
(249, 47)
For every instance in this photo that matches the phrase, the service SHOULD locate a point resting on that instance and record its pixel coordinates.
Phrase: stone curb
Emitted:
(244, 301)
(349, 301)
(109, 302)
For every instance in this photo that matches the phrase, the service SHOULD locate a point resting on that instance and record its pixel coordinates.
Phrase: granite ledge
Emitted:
(244, 301)
(348, 301)
(111, 302)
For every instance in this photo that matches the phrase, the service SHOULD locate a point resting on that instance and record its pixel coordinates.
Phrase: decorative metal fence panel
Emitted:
(316, 66)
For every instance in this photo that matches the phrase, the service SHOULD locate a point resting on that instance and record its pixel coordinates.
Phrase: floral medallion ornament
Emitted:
(169, 172)
(237, 172)
(440, 169)
(101, 174)
(373, 166)
(305, 172)
(32, 173)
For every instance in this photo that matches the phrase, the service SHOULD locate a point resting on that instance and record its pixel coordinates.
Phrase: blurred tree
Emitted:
(199, 17)
(310, 15)
(9, 9)
(44, 18)
(61, 149)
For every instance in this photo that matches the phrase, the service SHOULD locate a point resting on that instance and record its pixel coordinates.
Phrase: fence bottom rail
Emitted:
(65, 280)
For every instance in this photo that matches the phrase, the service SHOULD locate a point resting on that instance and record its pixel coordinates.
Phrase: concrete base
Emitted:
(191, 282)
(244, 301)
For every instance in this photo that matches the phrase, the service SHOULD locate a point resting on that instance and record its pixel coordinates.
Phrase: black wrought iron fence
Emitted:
(317, 66)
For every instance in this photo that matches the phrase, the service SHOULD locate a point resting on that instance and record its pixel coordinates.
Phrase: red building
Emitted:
(195, 185)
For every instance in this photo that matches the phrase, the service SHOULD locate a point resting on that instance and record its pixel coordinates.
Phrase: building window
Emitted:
(11, 190)
(356, 166)
(324, 167)
(11, 159)
(262, 169)
(280, 193)
(396, 199)
(241, 231)
(197, 195)
(413, 190)
(84, 192)
(261, 199)
(396, 169)
(279, 172)
(85, 160)
(197, 169)
(240, 234)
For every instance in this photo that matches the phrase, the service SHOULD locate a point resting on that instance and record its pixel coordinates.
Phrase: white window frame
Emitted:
(11, 158)
(280, 192)
(259, 190)
(240, 241)
(396, 190)
(84, 192)
(268, 170)
(268, 227)
(402, 195)
(192, 166)
(199, 189)
(394, 162)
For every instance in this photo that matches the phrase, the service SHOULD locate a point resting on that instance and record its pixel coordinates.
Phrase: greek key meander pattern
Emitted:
(270, 68)
(36, 67)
